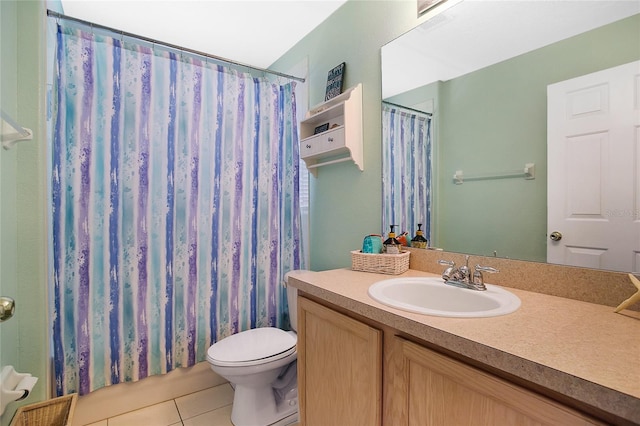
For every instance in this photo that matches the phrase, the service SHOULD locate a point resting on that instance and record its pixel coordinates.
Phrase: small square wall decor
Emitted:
(334, 82)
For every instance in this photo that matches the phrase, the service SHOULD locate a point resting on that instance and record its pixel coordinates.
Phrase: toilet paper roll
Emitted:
(26, 386)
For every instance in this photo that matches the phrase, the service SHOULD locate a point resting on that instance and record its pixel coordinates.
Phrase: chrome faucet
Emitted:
(462, 276)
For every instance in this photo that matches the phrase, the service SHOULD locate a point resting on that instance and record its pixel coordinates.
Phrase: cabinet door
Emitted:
(442, 391)
(339, 368)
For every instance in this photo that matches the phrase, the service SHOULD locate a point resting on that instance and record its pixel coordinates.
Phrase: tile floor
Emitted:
(210, 407)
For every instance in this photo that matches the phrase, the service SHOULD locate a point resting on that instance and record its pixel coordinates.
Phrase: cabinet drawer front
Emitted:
(308, 147)
(322, 143)
(330, 140)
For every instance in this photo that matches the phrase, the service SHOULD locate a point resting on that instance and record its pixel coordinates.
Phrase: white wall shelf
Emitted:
(342, 141)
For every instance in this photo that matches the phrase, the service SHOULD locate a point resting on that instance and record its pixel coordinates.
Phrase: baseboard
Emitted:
(122, 398)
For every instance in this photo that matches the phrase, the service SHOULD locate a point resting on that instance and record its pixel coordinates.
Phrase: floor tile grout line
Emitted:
(175, 403)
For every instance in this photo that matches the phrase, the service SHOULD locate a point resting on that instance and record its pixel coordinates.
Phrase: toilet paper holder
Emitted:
(14, 386)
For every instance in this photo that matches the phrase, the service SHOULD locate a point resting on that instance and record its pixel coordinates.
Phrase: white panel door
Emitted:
(593, 153)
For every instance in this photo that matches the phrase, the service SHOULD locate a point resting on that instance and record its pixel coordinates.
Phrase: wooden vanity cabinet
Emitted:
(341, 362)
(438, 390)
(339, 368)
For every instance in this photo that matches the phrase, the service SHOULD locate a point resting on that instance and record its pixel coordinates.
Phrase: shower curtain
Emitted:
(406, 171)
(174, 210)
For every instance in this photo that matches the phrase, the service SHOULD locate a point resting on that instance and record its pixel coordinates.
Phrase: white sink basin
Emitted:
(431, 296)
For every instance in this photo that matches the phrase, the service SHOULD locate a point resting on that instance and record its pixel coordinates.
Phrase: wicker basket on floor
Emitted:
(391, 264)
(53, 412)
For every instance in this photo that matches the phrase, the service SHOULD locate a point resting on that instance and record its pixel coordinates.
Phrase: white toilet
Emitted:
(261, 364)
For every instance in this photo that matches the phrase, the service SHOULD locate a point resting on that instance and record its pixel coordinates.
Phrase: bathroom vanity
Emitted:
(553, 361)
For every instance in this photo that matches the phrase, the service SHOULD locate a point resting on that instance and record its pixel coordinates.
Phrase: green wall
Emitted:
(8, 160)
(23, 339)
(345, 203)
(494, 120)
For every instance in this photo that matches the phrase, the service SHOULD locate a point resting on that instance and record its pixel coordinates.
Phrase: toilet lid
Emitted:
(251, 346)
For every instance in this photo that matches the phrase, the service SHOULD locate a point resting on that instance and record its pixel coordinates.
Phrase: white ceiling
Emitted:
(252, 32)
(474, 34)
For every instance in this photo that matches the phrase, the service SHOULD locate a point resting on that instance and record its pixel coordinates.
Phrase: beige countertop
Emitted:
(581, 350)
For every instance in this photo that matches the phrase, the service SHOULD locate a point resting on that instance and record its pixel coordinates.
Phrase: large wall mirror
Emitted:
(499, 81)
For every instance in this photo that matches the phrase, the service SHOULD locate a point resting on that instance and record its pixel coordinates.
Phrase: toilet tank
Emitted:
(292, 299)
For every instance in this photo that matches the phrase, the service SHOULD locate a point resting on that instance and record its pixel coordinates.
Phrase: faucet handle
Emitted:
(446, 274)
(486, 269)
(478, 279)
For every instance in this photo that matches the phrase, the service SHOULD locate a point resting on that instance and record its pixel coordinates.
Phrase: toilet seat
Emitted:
(252, 347)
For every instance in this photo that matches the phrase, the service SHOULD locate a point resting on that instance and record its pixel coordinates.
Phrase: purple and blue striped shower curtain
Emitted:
(174, 208)
(406, 170)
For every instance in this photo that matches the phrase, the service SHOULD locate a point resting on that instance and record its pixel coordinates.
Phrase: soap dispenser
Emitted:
(392, 245)
(402, 239)
(419, 241)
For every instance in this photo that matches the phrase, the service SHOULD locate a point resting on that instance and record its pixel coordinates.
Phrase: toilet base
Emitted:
(258, 406)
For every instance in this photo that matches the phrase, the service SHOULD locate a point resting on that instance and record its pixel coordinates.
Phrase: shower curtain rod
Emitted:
(58, 15)
(410, 109)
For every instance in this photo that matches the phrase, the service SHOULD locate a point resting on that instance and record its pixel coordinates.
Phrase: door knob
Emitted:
(7, 307)
(555, 236)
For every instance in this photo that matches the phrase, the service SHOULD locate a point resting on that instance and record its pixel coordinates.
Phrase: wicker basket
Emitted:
(53, 412)
(392, 264)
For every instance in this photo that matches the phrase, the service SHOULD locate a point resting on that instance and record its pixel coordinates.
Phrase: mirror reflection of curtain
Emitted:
(406, 170)
(174, 208)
